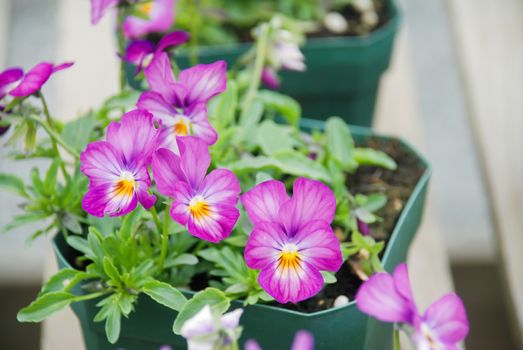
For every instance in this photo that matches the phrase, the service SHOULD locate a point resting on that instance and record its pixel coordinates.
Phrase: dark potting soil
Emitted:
(397, 186)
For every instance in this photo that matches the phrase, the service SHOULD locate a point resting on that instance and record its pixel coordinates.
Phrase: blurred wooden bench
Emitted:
(397, 114)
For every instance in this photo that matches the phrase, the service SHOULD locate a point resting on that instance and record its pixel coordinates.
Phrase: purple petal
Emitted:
(221, 186)
(102, 200)
(156, 104)
(9, 79)
(252, 345)
(195, 159)
(166, 171)
(62, 66)
(197, 113)
(303, 340)
(160, 78)
(270, 78)
(216, 226)
(99, 7)
(264, 245)
(319, 246)
(447, 318)
(263, 202)
(183, 194)
(291, 284)
(161, 17)
(33, 80)
(144, 197)
(172, 39)
(231, 320)
(311, 200)
(135, 137)
(101, 163)
(204, 81)
(377, 297)
(402, 282)
(136, 51)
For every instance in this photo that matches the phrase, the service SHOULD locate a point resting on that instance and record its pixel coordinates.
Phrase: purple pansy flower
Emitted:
(160, 17)
(389, 298)
(142, 52)
(205, 204)
(292, 239)
(117, 167)
(14, 82)
(303, 340)
(181, 104)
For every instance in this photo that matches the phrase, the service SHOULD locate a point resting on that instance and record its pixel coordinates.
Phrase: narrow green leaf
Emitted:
(44, 306)
(113, 322)
(81, 245)
(340, 144)
(165, 294)
(60, 280)
(13, 183)
(50, 177)
(23, 219)
(209, 296)
(182, 259)
(370, 156)
(111, 270)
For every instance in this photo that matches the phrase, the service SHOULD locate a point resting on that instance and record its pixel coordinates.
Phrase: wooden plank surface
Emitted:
(490, 45)
(397, 114)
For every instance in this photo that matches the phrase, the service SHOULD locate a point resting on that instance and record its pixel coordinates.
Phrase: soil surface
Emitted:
(398, 186)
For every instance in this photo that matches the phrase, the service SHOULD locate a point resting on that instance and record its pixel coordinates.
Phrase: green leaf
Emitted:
(80, 244)
(365, 216)
(13, 183)
(30, 137)
(250, 164)
(370, 156)
(23, 219)
(60, 280)
(340, 143)
(165, 294)
(113, 322)
(222, 108)
(44, 306)
(71, 223)
(298, 164)
(77, 133)
(50, 177)
(182, 259)
(375, 202)
(37, 182)
(328, 277)
(273, 137)
(209, 296)
(284, 105)
(111, 270)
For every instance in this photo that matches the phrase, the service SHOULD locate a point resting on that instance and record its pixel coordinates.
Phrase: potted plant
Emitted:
(348, 48)
(146, 205)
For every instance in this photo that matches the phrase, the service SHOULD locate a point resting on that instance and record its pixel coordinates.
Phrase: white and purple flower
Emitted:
(303, 340)
(16, 83)
(160, 17)
(292, 240)
(118, 167)
(205, 204)
(181, 104)
(390, 299)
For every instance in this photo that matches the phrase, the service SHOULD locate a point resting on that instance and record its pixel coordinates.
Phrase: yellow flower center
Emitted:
(199, 209)
(125, 185)
(289, 257)
(181, 128)
(146, 8)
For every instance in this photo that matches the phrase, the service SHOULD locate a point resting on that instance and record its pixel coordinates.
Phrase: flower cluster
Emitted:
(389, 298)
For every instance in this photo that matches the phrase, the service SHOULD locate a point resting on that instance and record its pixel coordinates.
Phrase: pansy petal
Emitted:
(402, 282)
(62, 66)
(231, 320)
(221, 186)
(137, 50)
(303, 340)
(183, 194)
(318, 245)
(263, 202)
(144, 197)
(217, 225)
(136, 137)
(103, 200)
(291, 284)
(201, 128)
(166, 171)
(33, 80)
(160, 78)
(160, 19)
(252, 345)
(447, 318)
(99, 7)
(270, 78)
(101, 163)
(311, 200)
(172, 39)
(378, 298)
(195, 159)
(156, 104)
(204, 81)
(9, 79)
(264, 245)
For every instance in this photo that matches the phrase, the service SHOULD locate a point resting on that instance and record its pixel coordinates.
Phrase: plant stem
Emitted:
(53, 142)
(90, 296)
(396, 338)
(165, 240)
(54, 136)
(156, 220)
(122, 14)
(261, 50)
(193, 44)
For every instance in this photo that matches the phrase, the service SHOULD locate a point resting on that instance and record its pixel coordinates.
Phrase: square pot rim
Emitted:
(311, 124)
(382, 33)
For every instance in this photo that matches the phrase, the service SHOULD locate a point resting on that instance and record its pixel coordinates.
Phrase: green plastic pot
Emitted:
(345, 327)
(342, 77)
